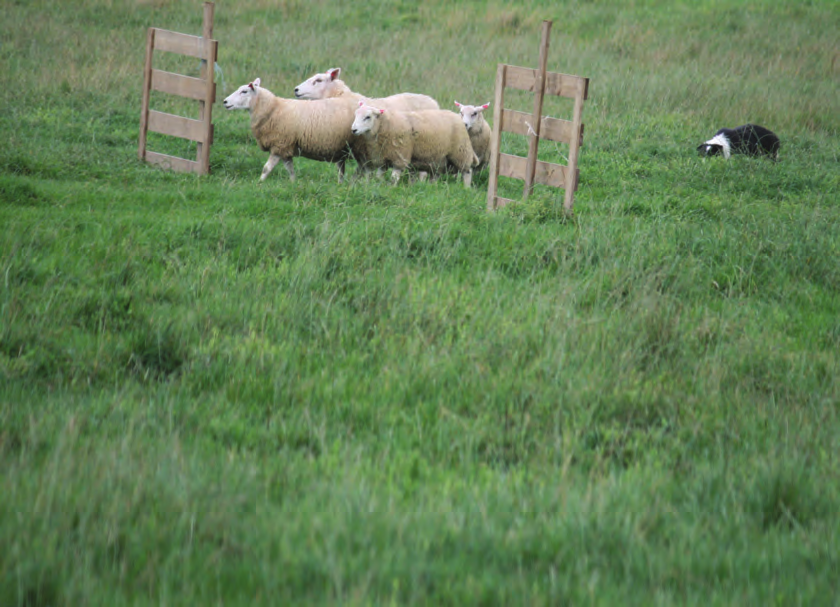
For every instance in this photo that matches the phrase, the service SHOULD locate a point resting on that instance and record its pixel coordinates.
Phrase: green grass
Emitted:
(219, 392)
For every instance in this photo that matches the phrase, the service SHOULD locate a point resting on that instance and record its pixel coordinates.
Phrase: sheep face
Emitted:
(241, 98)
(367, 120)
(472, 114)
(317, 87)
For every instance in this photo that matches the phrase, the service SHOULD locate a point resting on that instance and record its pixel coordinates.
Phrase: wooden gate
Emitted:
(201, 89)
(537, 127)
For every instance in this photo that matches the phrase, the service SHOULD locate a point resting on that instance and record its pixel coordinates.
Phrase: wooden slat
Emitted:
(512, 166)
(516, 122)
(173, 162)
(495, 137)
(206, 108)
(522, 78)
(574, 148)
(182, 44)
(536, 119)
(557, 129)
(547, 173)
(177, 126)
(178, 84)
(202, 153)
(565, 85)
(144, 104)
(562, 85)
(553, 129)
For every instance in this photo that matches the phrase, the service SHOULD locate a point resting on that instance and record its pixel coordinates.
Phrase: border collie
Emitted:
(748, 139)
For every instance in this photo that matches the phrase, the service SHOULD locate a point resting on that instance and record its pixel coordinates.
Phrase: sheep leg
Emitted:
(467, 178)
(273, 159)
(364, 170)
(340, 164)
(395, 175)
(361, 171)
(290, 166)
(422, 176)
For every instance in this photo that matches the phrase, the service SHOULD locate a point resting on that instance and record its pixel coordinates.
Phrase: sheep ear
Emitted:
(485, 106)
(381, 111)
(361, 103)
(255, 83)
(334, 72)
(457, 104)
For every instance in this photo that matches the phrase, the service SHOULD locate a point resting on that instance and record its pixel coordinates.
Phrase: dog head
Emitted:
(710, 149)
(719, 145)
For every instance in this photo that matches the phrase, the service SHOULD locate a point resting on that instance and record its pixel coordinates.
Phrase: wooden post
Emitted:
(574, 147)
(207, 72)
(207, 24)
(147, 81)
(495, 138)
(539, 93)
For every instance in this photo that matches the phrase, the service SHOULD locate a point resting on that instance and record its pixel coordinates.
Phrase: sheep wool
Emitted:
(329, 86)
(427, 140)
(318, 130)
(479, 130)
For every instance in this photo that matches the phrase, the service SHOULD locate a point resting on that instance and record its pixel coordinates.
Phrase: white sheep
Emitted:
(328, 86)
(428, 140)
(479, 130)
(318, 130)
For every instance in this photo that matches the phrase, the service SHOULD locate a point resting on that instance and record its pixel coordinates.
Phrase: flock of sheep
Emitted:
(331, 123)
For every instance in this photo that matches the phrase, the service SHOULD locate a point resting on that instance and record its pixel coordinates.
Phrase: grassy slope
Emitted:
(214, 391)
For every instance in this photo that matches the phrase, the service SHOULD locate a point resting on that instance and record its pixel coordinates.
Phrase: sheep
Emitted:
(479, 130)
(428, 140)
(328, 86)
(318, 130)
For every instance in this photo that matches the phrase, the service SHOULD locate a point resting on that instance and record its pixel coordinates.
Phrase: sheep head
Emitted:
(241, 98)
(367, 119)
(471, 114)
(317, 87)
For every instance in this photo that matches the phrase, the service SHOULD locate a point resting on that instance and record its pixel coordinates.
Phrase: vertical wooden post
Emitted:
(207, 21)
(574, 146)
(207, 72)
(209, 95)
(539, 93)
(147, 85)
(495, 138)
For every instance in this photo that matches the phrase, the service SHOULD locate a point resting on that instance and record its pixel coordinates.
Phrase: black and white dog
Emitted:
(748, 139)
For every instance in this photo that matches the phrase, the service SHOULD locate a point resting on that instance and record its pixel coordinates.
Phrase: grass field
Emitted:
(219, 392)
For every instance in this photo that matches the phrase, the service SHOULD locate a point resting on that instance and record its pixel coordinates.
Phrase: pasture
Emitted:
(219, 392)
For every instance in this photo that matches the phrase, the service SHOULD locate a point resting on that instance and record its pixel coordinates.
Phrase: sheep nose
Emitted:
(297, 90)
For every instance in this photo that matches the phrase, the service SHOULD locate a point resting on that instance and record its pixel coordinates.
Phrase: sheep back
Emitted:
(318, 130)
(406, 102)
(439, 138)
